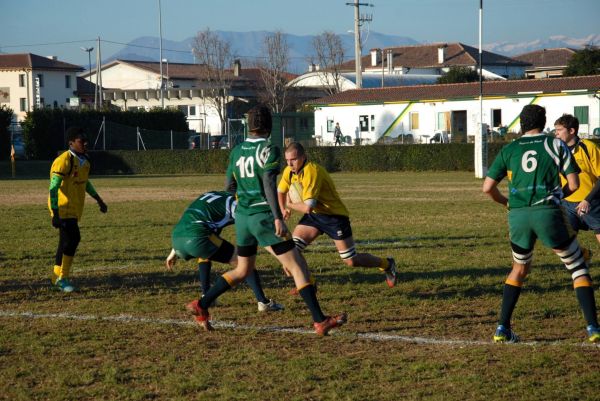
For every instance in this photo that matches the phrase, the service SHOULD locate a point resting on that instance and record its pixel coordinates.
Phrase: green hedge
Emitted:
(446, 157)
(435, 157)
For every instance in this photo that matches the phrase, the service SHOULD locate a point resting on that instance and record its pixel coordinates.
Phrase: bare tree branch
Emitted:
(329, 56)
(215, 80)
(276, 53)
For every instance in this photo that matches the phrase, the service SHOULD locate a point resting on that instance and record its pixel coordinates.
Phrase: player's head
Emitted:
(566, 127)
(532, 117)
(260, 121)
(295, 156)
(77, 139)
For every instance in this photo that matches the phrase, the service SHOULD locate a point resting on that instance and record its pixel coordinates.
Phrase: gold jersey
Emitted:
(316, 184)
(587, 156)
(74, 173)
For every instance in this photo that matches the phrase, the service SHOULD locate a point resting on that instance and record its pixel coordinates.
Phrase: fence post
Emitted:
(137, 137)
(103, 133)
(171, 139)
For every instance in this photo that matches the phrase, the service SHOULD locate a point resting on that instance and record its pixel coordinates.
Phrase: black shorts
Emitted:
(335, 226)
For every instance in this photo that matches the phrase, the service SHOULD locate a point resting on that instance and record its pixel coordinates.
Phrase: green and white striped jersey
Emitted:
(248, 162)
(533, 164)
(210, 211)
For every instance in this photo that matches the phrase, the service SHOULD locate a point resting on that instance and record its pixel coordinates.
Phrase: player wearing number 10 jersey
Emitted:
(533, 164)
(252, 171)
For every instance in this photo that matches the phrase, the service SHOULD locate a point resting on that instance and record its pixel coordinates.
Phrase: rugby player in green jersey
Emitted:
(252, 171)
(533, 165)
(197, 235)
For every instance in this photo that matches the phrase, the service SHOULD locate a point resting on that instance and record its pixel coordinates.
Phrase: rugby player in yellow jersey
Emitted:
(68, 186)
(582, 206)
(324, 212)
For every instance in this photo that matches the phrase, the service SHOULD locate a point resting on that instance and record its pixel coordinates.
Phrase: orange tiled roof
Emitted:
(545, 58)
(33, 61)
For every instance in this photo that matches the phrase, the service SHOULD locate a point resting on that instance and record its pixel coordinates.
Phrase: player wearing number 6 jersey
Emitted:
(533, 165)
(252, 170)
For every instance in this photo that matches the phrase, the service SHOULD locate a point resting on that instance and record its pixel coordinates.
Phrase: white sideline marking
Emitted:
(276, 329)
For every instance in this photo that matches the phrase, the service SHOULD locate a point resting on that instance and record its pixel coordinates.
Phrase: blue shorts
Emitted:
(335, 226)
(585, 222)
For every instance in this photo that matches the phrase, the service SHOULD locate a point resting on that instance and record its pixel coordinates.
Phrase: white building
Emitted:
(421, 111)
(28, 80)
(132, 85)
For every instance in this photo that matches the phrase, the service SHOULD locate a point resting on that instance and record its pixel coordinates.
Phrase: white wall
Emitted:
(385, 114)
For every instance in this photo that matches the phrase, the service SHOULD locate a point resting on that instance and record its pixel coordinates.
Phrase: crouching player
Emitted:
(253, 168)
(532, 164)
(196, 235)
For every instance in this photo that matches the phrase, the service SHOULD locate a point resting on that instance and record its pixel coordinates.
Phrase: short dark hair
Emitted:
(532, 116)
(297, 146)
(568, 121)
(74, 133)
(260, 120)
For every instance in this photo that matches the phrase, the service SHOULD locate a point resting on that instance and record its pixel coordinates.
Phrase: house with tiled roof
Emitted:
(452, 110)
(414, 65)
(546, 63)
(28, 80)
(132, 85)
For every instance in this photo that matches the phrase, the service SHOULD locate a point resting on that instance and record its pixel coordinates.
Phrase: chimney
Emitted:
(311, 67)
(237, 68)
(442, 54)
(54, 58)
(375, 57)
(390, 61)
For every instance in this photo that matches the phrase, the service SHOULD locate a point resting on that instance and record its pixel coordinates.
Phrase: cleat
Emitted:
(587, 255)
(504, 335)
(593, 334)
(201, 316)
(330, 322)
(391, 275)
(272, 306)
(64, 285)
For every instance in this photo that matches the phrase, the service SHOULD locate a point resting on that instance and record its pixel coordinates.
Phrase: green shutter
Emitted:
(583, 114)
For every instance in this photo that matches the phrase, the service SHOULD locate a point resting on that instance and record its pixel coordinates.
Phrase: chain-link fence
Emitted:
(114, 136)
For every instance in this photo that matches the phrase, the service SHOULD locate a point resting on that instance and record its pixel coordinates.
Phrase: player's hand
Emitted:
(102, 206)
(583, 207)
(281, 229)
(286, 213)
(171, 259)
(55, 219)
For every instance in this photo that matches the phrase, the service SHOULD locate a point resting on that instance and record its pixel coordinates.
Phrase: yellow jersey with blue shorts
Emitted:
(74, 172)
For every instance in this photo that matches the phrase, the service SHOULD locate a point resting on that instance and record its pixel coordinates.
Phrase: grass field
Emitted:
(125, 334)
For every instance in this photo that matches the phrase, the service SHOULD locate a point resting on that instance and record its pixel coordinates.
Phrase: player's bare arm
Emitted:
(490, 187)
(572, 184)
(171, 260)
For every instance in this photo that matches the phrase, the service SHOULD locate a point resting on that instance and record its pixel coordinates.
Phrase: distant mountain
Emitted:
(513, 49)
(247, 46)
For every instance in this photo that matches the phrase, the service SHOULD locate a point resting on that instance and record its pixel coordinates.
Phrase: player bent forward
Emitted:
(197, 235)
(252, 170)
(324, 211)
(533, 164)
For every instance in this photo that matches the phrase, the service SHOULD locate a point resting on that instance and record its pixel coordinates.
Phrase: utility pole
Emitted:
(358, 21)
(481, 136)
(162, 86)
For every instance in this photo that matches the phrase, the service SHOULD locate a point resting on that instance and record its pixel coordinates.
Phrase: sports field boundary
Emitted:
(128, 319)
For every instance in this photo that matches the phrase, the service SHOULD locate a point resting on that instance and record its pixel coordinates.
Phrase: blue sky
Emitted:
(29, 22)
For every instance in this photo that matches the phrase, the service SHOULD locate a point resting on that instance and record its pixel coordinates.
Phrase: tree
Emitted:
(6, 115)
(457, 75)
(584, 62)
(276, 53)
(330, 54)
(215, 79)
